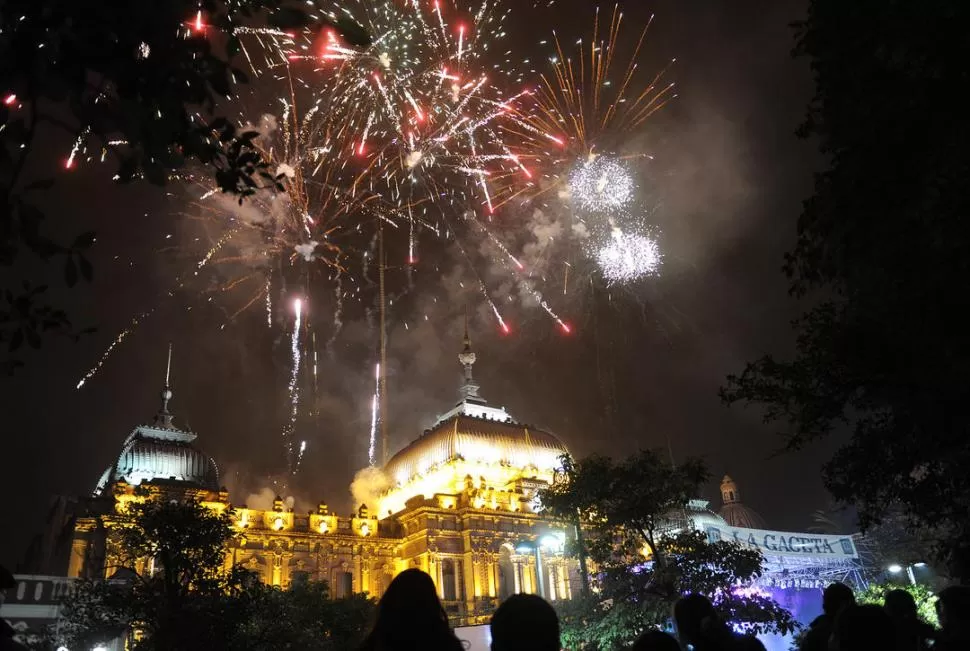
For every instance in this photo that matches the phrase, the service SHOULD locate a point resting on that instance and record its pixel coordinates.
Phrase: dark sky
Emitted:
(642, 368)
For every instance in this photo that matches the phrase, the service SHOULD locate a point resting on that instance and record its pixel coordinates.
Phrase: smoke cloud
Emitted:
(368, 485)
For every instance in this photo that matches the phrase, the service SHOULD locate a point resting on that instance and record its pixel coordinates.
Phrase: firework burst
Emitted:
(425, 129)
(628, 257)
(589, 100)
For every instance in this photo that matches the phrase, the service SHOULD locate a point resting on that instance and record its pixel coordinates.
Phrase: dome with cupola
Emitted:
(161, 452)
(734, 512)
(473, 439)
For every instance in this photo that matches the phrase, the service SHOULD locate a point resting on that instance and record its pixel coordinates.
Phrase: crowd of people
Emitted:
(410, 617)
(845, 625)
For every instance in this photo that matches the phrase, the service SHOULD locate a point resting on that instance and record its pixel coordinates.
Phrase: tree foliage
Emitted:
(302, 618)
(881, 252)
(875, 593)
(645, 552)
(120, 72)
(171, 586)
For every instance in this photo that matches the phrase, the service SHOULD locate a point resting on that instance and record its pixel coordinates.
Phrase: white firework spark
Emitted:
(628, 257)
(602, 184)
(293, 388)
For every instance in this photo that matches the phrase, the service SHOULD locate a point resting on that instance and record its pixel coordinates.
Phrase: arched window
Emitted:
(448, 591)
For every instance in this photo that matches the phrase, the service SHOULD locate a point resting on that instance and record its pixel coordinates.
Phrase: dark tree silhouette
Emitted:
(882, 257)
(117, 71)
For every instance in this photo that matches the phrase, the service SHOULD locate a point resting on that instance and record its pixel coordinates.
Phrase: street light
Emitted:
(896, 568)
(552, 542)
(526, 547)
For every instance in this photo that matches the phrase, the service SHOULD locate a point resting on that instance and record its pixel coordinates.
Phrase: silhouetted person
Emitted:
(700, 628)
(953, 609)
(410, 618)
(525, 622)
(654, 640)
(912, 634)
(835, 598)
(863, 628)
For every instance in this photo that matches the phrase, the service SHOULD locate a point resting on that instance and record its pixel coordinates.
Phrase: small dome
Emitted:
(151, 453)
(696, 515)
(733, 511)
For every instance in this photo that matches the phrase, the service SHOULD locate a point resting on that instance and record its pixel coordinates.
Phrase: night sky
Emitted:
(641, 369)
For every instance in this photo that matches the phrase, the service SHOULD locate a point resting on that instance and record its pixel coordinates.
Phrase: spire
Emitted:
(164, 417)
(469, 388)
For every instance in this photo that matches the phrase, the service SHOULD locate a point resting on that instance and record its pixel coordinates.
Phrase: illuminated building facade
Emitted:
(460, 507)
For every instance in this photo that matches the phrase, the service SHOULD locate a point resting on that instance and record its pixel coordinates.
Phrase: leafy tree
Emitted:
(875, 593)
(121, 72)
(171, 588)
(302, 618)
(168, 580)
(645, 551)
(882, 253)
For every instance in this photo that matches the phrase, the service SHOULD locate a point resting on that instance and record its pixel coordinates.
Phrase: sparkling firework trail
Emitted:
(294, 389)
(121, 336)
(375, 401)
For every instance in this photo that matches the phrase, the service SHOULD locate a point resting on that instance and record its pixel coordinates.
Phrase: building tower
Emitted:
(733, 511)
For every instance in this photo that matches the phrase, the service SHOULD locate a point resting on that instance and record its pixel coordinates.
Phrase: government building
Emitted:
(461, 507)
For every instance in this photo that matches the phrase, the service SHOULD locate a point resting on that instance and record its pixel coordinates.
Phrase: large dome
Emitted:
(153, 453)
(472, 442)
(477, 440)
(161, 452)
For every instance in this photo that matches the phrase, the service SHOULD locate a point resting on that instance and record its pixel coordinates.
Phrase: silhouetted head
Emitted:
(525, 622)
(863, 628)
(953, 606)
(654, 640)
(900, 605)
(410, 616)
(693, 616)
(836, 597)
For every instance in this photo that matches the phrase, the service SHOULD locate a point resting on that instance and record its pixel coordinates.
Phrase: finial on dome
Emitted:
(164, 416)
(467, 357)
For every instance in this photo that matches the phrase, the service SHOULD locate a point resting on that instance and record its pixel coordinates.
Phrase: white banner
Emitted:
(786, 543)
(474, 638)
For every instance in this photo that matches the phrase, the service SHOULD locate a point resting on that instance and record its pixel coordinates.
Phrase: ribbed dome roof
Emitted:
(161, 451)
(479, 440)
(151, 453)
(739, 515)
